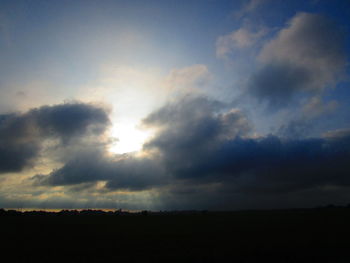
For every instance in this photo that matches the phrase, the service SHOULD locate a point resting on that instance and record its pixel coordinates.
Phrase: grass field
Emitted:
(314, 235)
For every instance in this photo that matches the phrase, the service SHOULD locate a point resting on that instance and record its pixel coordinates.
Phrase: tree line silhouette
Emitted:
(120, 212)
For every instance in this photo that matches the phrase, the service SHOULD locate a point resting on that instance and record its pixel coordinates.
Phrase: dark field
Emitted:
(315, 235)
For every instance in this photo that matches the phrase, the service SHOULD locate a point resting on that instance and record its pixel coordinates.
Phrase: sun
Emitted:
(129, 138)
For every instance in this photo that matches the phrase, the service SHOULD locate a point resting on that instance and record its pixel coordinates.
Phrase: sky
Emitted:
(174, 105)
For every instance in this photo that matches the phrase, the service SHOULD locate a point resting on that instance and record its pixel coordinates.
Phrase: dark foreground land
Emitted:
(314, 235)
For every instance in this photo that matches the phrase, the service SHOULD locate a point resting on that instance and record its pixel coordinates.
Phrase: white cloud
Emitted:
(188, 78)
(239, 39)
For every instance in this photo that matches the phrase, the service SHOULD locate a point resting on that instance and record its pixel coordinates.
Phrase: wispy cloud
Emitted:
(248, 7)
(237, 40)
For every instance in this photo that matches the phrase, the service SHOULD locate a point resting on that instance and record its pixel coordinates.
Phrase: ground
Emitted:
(300, 235)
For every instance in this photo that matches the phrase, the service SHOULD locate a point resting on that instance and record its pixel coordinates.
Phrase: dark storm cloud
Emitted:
(126, 172)
(211, 147)
(204, 156)
(70, 120)
(309, 120)
(22, 135)
(305, 57)
(296, 128)
(14, 157)
(265, 172)
(191, 130)
(273, 165)
(186, 128)
(195, 121)
(278, 82)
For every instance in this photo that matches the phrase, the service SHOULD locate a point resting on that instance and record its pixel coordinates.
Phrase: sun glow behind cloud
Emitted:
(134, 92)
(128, 138)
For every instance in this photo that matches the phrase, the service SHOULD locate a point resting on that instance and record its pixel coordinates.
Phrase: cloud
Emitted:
(337, 134)
(186, 127)
(249, 7)
(134, 91)
(203, 155)
(67, 121)
(126, 172)
(22, 135)
(208, 150)
(306, 57)
(191, 129)
(305, 122)
(188, 78)
(317, 107)
(264, 172)
(239, 39)
(190, 122)
(207, 144)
